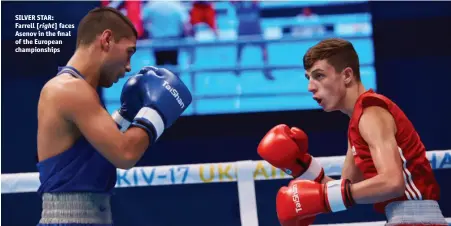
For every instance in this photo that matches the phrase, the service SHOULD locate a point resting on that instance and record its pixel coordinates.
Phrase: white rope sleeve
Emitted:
(242, 172)
(246, 194)
(202, 173)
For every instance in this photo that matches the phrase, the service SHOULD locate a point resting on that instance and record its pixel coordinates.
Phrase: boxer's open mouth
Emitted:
(318, 100)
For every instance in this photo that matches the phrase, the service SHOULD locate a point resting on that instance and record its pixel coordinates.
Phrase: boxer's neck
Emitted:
(87, 63)
(352, 94)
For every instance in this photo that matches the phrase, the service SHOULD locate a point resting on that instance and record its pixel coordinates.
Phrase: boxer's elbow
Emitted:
(123, 166)
(399, 189)
(128, 161)
(118, 155)
(129, 158)
(126, 158)
(395, 185)
(122, 160)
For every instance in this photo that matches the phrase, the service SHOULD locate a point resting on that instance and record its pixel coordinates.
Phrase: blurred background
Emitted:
(245, 56)
(242, 60)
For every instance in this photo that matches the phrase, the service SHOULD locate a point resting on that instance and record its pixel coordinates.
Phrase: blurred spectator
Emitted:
(132, 9)
(134, 14)
(309, 24)
(248, 14)
(204, 12)
(166, 21)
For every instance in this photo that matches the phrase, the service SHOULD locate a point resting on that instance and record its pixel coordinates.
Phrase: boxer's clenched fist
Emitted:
(286, 149)
(153, 99)
(304, 199)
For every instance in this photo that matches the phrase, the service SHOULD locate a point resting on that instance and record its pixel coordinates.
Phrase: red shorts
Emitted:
(203, 13)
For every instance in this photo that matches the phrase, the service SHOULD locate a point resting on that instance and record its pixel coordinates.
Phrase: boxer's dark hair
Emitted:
(339, 53)
(100, 19)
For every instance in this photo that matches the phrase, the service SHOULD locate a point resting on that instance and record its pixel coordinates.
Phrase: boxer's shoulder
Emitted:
(375, 115)
(374, 99)
(376, 124)
(68, 92)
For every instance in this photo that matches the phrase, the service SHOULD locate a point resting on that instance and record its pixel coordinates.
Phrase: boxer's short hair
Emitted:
(100, 19)
(339, 53)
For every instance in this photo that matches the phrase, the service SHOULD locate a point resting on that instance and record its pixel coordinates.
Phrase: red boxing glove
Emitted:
(299, 222)
(305, 222)
(303, 199)
(286, 149)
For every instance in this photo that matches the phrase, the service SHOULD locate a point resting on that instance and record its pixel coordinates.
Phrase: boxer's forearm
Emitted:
(377, 189)
(326, 179)
(350, 170)
(135, 143)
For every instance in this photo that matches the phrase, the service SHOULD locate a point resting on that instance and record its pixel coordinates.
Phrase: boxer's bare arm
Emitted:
(326, 179)
(80, 104)
(350, 170)
(377, 126)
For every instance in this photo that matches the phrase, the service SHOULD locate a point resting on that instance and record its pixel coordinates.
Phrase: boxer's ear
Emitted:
(105, 39)
(347, 75)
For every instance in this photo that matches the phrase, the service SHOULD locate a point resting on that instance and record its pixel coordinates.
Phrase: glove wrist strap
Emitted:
(150, 131)
(338, 195)
(349, 200)
(314, 172)
(150, 117)
(120, 121)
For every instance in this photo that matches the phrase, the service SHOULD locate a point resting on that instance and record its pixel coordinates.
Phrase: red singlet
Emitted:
(418, 176)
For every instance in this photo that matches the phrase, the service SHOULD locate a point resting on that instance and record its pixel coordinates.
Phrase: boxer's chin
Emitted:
(329, 105)
(325, 106)
(331, 108)
(107, 84)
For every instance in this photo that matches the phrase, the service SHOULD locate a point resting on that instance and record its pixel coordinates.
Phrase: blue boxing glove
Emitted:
(153, 99)
(129, 106)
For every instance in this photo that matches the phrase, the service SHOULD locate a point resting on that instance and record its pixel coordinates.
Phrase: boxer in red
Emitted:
(385, 164)
(204, 12)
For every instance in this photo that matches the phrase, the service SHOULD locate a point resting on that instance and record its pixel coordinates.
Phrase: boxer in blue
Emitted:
(79, 144)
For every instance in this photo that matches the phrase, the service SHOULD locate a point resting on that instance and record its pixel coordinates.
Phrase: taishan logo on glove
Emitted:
(287, 171)
(174, 93)
(295, 196)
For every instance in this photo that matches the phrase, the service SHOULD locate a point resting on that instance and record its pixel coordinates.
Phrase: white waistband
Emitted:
(82, 208)
(414, 212)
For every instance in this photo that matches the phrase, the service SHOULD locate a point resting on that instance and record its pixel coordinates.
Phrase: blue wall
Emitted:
(412, 60)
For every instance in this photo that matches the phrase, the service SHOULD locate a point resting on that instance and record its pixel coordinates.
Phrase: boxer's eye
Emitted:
(131, 51)
(130, 54)
(318, 76)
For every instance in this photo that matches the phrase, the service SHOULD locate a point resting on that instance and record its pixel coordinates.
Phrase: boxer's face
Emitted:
(117, 60)
(327, 85)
